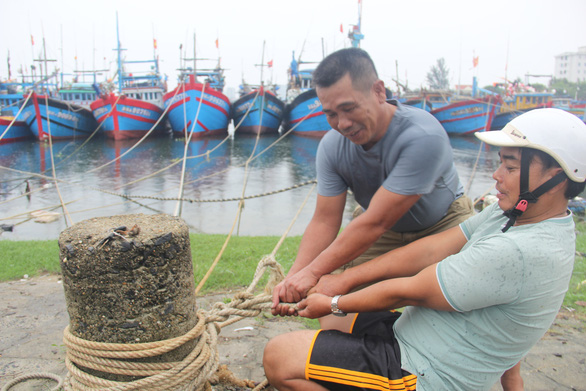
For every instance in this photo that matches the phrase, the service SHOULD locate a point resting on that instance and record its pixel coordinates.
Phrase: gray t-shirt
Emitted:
(507, 289)
(413, 157)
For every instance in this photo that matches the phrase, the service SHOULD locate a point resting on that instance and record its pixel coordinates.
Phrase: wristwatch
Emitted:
(334, 306)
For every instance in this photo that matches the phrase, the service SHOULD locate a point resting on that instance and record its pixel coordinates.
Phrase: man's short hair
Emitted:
(353, 61)
(574, 188)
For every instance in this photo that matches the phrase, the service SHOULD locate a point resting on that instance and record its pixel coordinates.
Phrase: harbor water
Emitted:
(103, 177)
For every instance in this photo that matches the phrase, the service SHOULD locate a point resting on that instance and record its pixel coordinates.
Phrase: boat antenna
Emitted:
(355, 33)
(262, 63)
(119, 49)
(8, 63)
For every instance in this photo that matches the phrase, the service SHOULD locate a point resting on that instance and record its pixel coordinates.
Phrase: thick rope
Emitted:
(40, 375)
(138, 142)
(56, 183)
(193, 372)
(16, 116)
(186, 146)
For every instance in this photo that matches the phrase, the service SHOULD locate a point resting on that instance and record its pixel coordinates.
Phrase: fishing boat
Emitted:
(136, 109)
(420, 103)
(576, 107)
(518, 104)
(303, 111)
(304, 116)
(11, 94)
(199, 109)
(258, 111)
(12, 130)
(82, 94)
(466, 115)
(49, 117)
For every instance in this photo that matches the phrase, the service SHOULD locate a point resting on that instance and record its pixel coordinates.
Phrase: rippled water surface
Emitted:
(94, 179)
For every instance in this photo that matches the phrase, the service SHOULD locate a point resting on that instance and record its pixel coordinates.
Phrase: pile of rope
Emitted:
(193, 372)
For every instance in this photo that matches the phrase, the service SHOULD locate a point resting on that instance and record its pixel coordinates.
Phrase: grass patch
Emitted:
(28, 257)
(576, 296)
(238, 264)
(236, 268)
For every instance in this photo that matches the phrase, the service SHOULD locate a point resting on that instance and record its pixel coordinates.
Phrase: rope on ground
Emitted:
(41, 375)
(55, 182)
(198, 367)
(193, 372)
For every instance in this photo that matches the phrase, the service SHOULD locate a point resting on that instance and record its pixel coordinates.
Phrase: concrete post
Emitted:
(129, 279)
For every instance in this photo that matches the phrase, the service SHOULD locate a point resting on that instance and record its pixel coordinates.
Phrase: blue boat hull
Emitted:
(257, 112)
(187, 116)
(18, 130)
(48, 117)
(422, 104)
(123, 118)
(305, 116)
(468, 116)
(500, 120)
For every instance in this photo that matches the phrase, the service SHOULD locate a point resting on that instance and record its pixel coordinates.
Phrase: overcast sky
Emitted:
(405, 38)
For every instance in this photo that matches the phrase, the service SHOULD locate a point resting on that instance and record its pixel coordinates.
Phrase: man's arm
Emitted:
(319, 234)
(421, 290)
(321, 230)
(385, 209)
(405, 261)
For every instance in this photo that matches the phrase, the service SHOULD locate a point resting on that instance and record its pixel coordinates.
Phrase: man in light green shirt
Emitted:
(478, 296)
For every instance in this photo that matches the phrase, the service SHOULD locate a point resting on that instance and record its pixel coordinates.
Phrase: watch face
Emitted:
(334, 306)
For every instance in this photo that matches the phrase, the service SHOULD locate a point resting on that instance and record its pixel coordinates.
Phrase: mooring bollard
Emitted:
(129, 279)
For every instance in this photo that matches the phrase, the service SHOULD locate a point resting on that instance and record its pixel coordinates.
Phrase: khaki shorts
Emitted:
(460, 210)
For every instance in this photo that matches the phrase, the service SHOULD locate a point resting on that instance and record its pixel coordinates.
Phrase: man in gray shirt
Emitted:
(397, 160)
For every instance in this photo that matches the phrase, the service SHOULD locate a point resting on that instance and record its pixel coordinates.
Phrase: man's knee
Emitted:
(270, 358)
(285, 356)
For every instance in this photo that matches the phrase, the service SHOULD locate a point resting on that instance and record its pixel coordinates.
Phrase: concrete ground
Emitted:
(33, 315)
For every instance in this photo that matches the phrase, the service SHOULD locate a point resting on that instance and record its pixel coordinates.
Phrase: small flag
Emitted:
(341, 28)
(475, 62)
(217, 43)
(32, 40)
(154, 43)
(270, 63)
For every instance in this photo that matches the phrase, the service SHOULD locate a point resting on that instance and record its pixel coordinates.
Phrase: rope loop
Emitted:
(191, 373)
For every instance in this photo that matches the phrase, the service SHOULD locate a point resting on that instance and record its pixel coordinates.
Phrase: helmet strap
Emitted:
(526, 196)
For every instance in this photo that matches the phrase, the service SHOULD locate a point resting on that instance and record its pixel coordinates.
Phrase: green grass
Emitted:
(576, 295)
(236, 268)
(238, 263)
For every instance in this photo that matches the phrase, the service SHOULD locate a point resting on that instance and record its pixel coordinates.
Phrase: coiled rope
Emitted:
(196, 369)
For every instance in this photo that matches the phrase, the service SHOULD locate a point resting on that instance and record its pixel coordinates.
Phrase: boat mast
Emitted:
(119, 49)
(355, 33)
(194, 60)
(262, 63)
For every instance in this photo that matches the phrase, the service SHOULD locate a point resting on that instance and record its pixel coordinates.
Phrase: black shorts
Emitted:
(367, 359)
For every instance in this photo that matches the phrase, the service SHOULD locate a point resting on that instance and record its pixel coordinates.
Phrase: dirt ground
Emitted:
(33, 315)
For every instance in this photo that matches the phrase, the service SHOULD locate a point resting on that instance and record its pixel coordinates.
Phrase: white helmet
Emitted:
(556, 132)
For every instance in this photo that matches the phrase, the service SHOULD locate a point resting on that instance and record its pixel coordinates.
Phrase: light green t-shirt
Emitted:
(506, 288)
